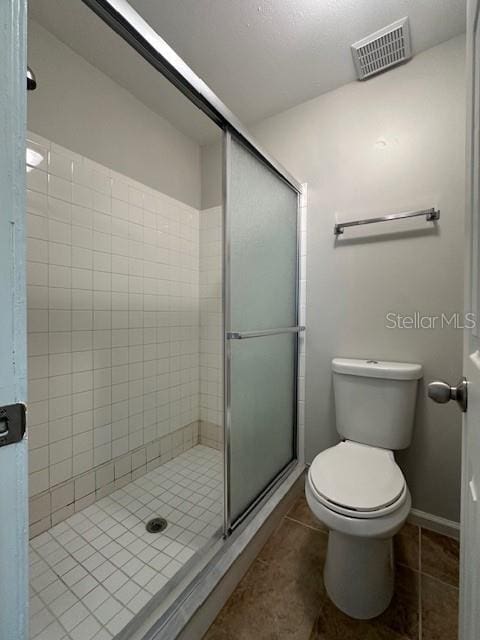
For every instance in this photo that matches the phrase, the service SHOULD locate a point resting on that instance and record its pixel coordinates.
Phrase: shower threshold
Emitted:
(92, 573)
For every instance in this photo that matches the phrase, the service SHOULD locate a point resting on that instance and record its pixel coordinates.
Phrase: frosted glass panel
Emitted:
(263, 245)
(262, 401)
(262, 259)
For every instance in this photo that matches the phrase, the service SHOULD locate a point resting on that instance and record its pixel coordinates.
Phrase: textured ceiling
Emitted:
(263, 56)
(260, 57)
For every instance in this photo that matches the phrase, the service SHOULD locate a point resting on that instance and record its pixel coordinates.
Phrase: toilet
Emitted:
(357, 489)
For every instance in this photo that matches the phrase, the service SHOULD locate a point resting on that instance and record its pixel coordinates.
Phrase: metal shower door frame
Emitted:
(229, 524)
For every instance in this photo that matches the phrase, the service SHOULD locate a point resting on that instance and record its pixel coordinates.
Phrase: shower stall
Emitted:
(165, 327)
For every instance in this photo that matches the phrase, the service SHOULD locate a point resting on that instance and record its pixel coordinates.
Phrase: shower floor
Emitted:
(90, 574)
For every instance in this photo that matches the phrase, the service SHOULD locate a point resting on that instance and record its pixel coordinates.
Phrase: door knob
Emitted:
(442, 392)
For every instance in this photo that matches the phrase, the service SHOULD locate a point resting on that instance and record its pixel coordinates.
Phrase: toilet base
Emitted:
(359, 574)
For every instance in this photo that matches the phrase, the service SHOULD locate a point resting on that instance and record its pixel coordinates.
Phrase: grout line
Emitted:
(406, 566)
(420, 625)
(285, 517)
(257, 559)
(425, 573)
(304, 524)
(446, 584)
(420, 549)
(420, 616)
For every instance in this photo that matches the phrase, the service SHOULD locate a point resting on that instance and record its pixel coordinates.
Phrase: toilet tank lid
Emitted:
(377, 369)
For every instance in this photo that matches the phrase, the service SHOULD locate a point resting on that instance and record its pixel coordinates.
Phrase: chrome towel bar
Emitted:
(430, 216)
(243, 335)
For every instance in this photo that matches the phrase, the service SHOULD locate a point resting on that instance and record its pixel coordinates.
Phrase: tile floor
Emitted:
(90, 574)
(282, 595)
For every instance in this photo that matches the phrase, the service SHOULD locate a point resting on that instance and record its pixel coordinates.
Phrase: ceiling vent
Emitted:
(383, 49)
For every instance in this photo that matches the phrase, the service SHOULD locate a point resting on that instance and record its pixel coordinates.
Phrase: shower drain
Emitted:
(156, 525)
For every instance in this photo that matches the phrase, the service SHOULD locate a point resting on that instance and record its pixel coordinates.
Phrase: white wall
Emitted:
(392, 143)
(212, 174)
(78, 107)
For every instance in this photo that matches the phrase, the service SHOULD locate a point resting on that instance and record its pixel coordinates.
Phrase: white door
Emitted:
(13, 457)
(470, 536)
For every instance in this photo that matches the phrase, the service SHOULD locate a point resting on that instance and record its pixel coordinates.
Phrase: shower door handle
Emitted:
(243, 335)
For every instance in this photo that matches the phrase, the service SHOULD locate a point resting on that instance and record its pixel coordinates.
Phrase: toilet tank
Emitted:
(375, 401)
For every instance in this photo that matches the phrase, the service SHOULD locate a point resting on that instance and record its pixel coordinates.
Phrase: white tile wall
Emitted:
(113, 316)
(211, 327)
(124, 328)
(61, 501)
(211, 435)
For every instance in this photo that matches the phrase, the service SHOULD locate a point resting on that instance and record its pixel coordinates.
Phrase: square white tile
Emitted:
(93, 572)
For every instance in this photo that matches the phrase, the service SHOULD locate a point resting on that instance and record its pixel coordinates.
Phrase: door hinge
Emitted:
(12, 423)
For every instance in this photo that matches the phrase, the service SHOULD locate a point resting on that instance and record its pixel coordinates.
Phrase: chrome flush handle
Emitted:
(442, 392)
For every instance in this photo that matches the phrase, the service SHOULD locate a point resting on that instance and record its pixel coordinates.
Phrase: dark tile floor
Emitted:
(282, 595)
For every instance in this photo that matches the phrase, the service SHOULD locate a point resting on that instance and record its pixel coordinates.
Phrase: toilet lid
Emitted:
(357, 476)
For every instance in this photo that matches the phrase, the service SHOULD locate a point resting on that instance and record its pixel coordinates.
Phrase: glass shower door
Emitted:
(261, 332)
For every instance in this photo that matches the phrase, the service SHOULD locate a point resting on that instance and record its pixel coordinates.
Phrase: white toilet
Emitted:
(357, 489)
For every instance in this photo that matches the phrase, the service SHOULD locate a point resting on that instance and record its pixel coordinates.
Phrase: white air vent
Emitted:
(383, 49)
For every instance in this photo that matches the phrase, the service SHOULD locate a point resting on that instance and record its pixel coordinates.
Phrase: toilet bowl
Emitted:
(357, 489)
(358, 572)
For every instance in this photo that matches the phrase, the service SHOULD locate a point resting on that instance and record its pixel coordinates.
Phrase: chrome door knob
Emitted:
(442, 392)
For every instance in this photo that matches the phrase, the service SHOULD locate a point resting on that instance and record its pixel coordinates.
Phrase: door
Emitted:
(261, 285)
(13, 457)
(470, 526)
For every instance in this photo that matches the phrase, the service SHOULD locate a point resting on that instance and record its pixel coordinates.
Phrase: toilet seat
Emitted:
(357, 480)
